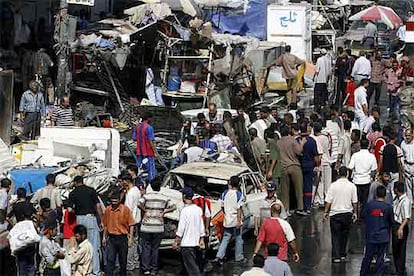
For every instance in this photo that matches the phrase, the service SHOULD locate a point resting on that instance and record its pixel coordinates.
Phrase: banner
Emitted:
(82, 2)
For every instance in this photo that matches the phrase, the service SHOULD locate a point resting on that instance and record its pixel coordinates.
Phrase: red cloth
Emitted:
(272, 232)
(350, 89)
(69, 223)
(377, 147)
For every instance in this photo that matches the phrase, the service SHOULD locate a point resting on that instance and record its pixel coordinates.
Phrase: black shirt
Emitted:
(390, 159)
(83, 200)
(20, 208)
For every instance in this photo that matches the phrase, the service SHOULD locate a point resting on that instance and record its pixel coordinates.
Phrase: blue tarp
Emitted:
(35, 176)
(251, 23)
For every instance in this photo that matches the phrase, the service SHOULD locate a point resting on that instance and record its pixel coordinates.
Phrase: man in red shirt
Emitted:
(279, 231)
(144, 136)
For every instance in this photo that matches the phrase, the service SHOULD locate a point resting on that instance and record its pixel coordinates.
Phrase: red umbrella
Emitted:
(379, 13)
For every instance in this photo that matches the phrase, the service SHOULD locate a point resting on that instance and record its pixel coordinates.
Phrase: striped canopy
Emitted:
(380, 14)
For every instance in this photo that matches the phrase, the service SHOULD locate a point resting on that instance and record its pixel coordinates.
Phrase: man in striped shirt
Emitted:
(154, 206)
(32, 107)
(62, 116)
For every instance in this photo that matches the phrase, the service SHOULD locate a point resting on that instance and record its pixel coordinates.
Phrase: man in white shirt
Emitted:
(364, 167)
(132, 198)
(407, 147)
(362, 68)
(323, 71)
(325, 167)
(231, 203)
(257, 269)
(344, 149)
(190, 233)
(361, 104)
(402, 216)
(4, 197)
(341, 208)
(223, 142)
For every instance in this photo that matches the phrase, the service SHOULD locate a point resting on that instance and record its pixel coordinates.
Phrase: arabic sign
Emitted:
(287, 21)
(82, 2)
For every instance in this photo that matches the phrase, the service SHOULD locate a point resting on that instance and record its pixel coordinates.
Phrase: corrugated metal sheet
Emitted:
(6, 158)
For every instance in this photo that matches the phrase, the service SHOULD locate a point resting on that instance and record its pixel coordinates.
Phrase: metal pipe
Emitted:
(114, 87)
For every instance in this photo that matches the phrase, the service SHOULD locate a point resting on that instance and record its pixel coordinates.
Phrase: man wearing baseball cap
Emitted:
(190, 232)
(263, 207)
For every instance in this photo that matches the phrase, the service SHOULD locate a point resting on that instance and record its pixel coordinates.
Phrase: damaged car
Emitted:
(211, 179)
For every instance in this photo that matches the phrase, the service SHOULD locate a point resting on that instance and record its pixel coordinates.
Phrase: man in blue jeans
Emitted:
(85, 203)
(231, 203)
(378, 217)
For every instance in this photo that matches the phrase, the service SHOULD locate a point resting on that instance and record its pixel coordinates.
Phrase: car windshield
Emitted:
(360, 25)
(209, 187)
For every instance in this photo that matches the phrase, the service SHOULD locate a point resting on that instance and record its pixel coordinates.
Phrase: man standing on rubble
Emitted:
(289, 64)
(144, 136)
(32, 107)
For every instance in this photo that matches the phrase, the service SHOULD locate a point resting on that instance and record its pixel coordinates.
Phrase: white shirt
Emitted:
(255, 271)
(334, 131)
(223, 142)
(323, 69)
(323, 141)
(402, 208)
(231, 200)
(362, 68)
(345, 148)
(362, 163)
(3, 199)
(190, 226)
(132, 198)
(194, 154)
(368, 124)
(260, 125)
(408, 151)
(360, 100)
(341, 194)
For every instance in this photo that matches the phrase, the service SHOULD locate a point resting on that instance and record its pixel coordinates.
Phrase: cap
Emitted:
(323, 51)
(271, 187)
(188, 192)
(125, 175)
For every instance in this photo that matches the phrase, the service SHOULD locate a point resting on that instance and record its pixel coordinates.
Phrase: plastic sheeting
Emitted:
(250, 23)
(35, 176)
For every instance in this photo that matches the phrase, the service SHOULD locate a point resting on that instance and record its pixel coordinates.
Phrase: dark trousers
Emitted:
(321, 95)
(374, 87)
(340, 226)
(371, 249)
(117, 246)
(189, 255)
(202, 257)
(26, 265)
(363, 193)
(51, 272)
(31, 126)
(150, 248)
(340, 90)
(307, 187)
(399, 249)
(395, 107)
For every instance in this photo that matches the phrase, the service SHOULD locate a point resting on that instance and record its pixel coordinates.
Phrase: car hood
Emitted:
(251, 206)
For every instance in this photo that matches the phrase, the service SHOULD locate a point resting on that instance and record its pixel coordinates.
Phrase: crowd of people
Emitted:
(340, 158)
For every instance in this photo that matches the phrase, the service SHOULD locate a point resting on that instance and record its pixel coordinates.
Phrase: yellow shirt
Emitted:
(81, 259)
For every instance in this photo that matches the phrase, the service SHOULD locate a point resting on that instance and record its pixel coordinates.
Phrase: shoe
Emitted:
(242, 261)
(336, 261)
(147, 273)
(308, 212)
(387, 260)
(343, 259)
(301, 212)
(154, 273)
(218, 261)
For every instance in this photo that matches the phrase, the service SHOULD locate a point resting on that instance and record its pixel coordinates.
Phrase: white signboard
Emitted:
(285, 21)
(82, 2)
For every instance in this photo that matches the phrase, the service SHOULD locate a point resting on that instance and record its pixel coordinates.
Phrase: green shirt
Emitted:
(275, 155)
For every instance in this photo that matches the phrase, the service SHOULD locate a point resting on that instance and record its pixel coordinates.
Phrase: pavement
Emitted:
(313, 237)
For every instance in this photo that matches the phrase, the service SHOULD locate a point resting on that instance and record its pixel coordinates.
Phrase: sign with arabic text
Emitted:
(286, 21)
(82, 2)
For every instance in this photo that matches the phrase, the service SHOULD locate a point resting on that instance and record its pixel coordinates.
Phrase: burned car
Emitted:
(210, 179)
